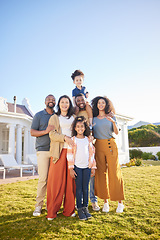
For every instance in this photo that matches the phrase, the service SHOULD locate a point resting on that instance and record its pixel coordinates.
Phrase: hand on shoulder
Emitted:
(69, 141)
(50, 128)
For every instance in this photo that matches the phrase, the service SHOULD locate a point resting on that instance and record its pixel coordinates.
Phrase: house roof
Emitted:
(19, 109)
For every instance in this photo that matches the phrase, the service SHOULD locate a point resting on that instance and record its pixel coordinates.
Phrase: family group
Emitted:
(76, 146)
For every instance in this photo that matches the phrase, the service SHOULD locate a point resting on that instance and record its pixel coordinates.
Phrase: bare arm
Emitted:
(74, 103)
(89, 112)
(37, 133)
(115, 128)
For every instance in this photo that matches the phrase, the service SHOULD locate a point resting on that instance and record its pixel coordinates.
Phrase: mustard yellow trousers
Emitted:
(108, 176)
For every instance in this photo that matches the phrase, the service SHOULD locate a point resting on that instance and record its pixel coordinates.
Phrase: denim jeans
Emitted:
(82, 183)
(93, 198)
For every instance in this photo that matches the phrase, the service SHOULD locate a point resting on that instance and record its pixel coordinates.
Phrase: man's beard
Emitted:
(51, 107)
(81, 109)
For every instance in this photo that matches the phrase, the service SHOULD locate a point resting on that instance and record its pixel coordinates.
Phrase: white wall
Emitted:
(25, 137)
(122, 140)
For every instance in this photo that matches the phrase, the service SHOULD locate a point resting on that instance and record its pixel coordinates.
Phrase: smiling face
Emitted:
(80, 102)
(64, 104)
(80, 128)
(101, 104)
(78, 81)
(50, 101)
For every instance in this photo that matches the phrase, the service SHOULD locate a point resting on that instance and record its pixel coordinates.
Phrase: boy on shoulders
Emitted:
(78, 78)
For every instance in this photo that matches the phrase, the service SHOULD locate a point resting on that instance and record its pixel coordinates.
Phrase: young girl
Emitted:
(81, 163)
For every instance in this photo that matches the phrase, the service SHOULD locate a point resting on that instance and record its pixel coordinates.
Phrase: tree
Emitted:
(144, 136)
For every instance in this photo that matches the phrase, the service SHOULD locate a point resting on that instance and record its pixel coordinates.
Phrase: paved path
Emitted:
(13, 176)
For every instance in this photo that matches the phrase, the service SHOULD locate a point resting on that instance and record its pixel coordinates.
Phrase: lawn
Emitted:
(140, 219)
(151, 162)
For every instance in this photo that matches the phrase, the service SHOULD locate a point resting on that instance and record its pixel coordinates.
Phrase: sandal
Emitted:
(95, 206)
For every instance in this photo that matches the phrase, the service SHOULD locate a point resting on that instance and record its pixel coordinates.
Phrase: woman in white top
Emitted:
(60, 186)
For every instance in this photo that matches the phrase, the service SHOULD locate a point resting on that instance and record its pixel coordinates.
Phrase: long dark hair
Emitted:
(70, 109)
(108, 108)
(84, 121)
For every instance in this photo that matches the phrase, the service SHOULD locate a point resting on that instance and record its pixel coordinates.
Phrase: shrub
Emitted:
(158, 154)
(128, 164)
(134, 162)
(135, 153)
(152, 157)
(148, 155)
(145, 155)
(138, 162)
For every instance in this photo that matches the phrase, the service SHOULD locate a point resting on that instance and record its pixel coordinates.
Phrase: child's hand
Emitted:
(87, 94)
(92, 172)
(91, 138)
(73, 174)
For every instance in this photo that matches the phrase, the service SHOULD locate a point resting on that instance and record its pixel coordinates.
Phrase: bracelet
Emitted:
(90, 127)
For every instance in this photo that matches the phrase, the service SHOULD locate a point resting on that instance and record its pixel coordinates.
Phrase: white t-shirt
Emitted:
(82, 153)
(65, 124)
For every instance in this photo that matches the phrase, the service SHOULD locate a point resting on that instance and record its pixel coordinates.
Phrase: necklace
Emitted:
(103, 116)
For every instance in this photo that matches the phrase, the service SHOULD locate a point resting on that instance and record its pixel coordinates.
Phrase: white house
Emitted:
(122, 138)
(15, 138)
(15, 124)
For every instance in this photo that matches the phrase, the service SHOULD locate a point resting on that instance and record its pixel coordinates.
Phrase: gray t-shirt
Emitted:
(40, 123)
(103, 128)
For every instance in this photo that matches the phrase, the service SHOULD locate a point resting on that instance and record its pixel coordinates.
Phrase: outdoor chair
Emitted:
(9, 162)
(2, 169)
(32, 159)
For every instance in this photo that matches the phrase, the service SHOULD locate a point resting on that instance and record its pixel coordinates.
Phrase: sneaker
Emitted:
(73, 214)
(81, 214)
(86, 212)
(95, 206)
(105, 208)
(50, 219)
(120, 208)
(37, 211)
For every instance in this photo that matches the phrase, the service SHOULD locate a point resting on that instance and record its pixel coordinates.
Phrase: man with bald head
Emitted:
(40, 130)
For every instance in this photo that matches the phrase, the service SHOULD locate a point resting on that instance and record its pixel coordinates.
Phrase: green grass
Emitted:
(140, 219)
(151, 162)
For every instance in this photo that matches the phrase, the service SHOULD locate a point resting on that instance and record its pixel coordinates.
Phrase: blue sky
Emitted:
(116, 43)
